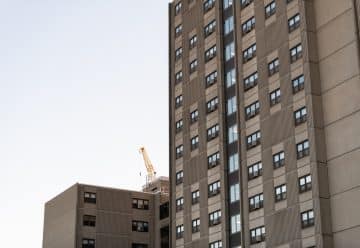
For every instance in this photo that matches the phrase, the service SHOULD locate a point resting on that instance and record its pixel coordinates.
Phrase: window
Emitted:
(138, 245)
(228, 25)
(216, 244)
(249, 53)
(233, 162)
(307, 219)
(280, 193)
(279, 160)
(294, 22)
(275, 97)
(178, 77)
(179, 204)
(213, 132)
(252, 110)
(231, 105)
(248, 25)
(215, 218)
(305, 183)
(213, 160)
(178, 30)
(211, 79)
(302, 149)
(230, 78)
(257, 235)
(194, 143)
(232, 134)
(245, 3)
(210, 28)
(178, 7)
(227, 3)
(178, 53)
(179, 151)
(178, 101)
(90, 197)
(212, 105)
(193, 66)
(234, 192)
(195, 226)
(179, 177)
(273, 67)
(194, 116)
(179, 126)
(193, 42)
(254, 170)
(179, 231)
(289, 1)
(208, 5)
(140, 204)
(88, 243)
(298, 84)
(164, 210)
(235, 224)
(140, 226)
(256, 202)
(270, 9)
(89, 220)
(210, 54)
(253, 140)
(250, 81)
(214, 189)
(295, 53)
(300, 116)
(195, 197)
(229, 51)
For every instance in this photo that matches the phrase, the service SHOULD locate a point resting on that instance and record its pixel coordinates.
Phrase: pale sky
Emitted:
(83, 84)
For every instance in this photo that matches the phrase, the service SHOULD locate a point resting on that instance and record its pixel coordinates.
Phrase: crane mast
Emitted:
(149, 167)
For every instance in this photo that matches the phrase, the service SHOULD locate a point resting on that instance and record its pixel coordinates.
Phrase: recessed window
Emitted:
(232, 134)
(252, 110)
(179, 204)
(208, 5)
(245, 3)
(250, 81)
(275, 97)
(300, 116)
(213, 160)
(210, 28)
(194, 116)
(280, 193)
(249, 53)
(178, 77)
(215, 218)
(140, 204)
(140, 226)
(256, 202)
(257, 235)
(178, 30)
(235, 224)
(254, 170)
(270, 9)
(178, 8)
(178, 53)
(164, 210)
(89, 220)
(213, 132)
(211, 79)
(227, 3)
(193, 66)
(234, 193)
(178, 101)
(228, 25)
(294, 22)
(231, 105)
(298, 84)
(212, 105)
(193, 42)
(229, 51)
(210, 53)
(295, 53)
(194, 143)
(90, 197)
(179, 231)
(179, 151)
(253, 140)
(195, 197)
(88, 243)
(179, 126)
(307, 219)
(214, 189)
(195, 226)
(279, 160)
(302, 149)
(138, 245)
(305, 183)
(216, 244)
(233, 162)
(179, 177)
(273, 67)
(248, 25)
(230, 78)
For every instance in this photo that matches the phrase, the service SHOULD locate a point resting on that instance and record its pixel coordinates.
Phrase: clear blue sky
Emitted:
(83, 84)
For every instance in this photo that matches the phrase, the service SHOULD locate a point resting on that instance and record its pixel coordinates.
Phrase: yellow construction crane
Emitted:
(149, 167)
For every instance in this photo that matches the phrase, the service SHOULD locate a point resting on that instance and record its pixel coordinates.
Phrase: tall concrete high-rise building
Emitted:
(264, 115)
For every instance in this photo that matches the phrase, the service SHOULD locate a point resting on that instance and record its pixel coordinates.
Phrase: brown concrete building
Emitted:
(264, 102)
(86, 216)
